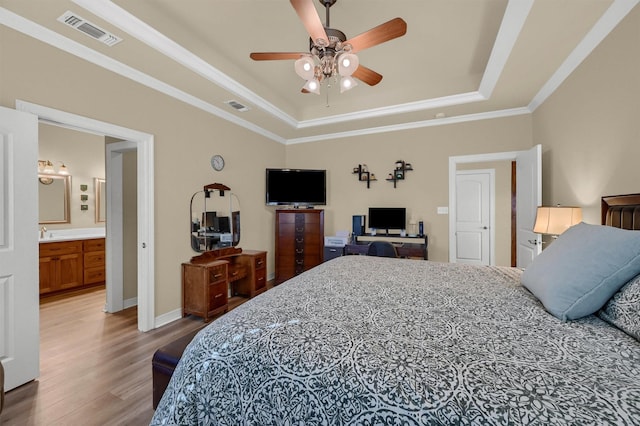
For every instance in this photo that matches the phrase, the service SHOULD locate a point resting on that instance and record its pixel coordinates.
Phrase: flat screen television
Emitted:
(296, 187)
(388, 218)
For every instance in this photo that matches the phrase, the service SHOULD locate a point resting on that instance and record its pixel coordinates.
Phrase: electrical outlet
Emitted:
(443, 210)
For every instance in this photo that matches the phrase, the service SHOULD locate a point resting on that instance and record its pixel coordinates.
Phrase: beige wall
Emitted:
(185, 139)
(424, 189)
(589, 132)
(590, 127)
(83, 154)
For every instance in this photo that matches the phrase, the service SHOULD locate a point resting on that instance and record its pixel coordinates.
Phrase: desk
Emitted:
(413, 247)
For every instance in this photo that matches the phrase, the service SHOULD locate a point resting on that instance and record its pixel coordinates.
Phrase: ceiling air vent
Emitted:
(90, 29)
(237, 105)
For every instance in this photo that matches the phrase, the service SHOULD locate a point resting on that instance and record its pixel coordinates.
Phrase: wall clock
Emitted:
(217, 162)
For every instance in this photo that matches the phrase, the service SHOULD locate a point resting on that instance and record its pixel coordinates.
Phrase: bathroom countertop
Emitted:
(57, 235)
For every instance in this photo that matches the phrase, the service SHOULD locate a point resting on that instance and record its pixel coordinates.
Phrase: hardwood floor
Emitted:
(95, 368)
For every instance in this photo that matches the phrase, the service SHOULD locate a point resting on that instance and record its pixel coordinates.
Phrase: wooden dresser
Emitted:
(299, 242)
(69, 265)
(208, 279)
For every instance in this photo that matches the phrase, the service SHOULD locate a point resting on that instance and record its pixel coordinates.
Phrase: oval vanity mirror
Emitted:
(215, 218)
(53, 198)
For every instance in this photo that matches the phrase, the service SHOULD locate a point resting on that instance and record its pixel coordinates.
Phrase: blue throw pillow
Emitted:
(580, 271)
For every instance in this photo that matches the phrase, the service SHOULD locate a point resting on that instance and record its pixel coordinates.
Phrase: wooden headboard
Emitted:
(621, 211)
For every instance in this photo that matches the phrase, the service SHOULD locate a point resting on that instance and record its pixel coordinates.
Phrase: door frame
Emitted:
(492, 209)
(453, 168)
(144, 143)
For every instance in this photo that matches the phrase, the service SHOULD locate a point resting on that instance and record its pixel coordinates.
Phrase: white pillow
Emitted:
(580, 271)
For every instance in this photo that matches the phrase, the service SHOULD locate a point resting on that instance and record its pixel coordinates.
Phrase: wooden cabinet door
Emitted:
(47, 275)
(69, 270)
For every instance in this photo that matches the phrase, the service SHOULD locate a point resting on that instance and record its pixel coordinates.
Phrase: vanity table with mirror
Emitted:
(221, 270)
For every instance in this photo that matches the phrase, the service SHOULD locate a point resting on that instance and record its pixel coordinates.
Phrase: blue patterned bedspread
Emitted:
(375, 341)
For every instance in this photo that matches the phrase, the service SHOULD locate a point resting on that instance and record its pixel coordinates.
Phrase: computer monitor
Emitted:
(222, 224)
(208, 220)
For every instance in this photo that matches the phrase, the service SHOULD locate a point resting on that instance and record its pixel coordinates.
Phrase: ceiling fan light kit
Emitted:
(331, 54)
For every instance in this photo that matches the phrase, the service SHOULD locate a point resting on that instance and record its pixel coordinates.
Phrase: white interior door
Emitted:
(528, 198)
(19, 300)
(473, 216)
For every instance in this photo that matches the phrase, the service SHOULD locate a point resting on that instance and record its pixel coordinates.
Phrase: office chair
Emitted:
(382, 249)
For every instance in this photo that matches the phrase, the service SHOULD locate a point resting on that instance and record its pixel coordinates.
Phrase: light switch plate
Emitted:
(443, 210)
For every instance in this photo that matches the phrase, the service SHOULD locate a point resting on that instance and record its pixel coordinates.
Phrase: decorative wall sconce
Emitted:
(47, 166)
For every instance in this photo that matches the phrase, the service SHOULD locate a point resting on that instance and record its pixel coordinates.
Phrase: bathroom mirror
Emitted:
(53, 198)
(215, 218)
(100, 188)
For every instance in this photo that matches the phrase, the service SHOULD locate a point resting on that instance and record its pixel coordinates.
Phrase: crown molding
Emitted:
(414, 125)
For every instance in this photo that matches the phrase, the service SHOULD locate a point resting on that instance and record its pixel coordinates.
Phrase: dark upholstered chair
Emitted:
(382, 249)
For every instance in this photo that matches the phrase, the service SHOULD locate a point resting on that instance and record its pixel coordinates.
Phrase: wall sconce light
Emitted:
(555, 220)
(46, 166)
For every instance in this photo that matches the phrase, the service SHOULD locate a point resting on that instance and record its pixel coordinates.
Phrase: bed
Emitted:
(379, 341)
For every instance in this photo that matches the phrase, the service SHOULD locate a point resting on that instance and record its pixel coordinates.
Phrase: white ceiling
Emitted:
(460, 60)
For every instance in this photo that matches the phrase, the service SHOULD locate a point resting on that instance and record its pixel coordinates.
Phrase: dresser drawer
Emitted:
(97, 244)
(94, 259)
(217, 295)
(217, 273)
(58, 248)
(261, 278)
(236, 271)
(260, 262)
(94, 275)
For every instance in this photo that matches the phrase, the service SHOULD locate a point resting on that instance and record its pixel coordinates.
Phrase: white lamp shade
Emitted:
(312, 86)
(63, 170)
(556, 220)
(48, 168)
(347, 83)
(348, 63)
(305, 68)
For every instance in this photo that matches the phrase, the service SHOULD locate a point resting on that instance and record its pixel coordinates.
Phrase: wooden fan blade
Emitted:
(367, 75)
(275, 56)
(384, 32)
(310, 19)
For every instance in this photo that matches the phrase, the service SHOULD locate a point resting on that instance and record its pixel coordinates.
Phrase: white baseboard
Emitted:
(128, 303)
(167, 318)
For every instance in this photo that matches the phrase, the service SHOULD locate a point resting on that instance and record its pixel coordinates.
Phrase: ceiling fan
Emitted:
(331, 54)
